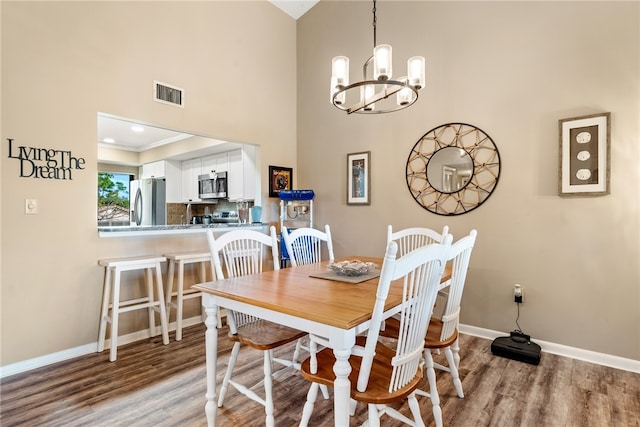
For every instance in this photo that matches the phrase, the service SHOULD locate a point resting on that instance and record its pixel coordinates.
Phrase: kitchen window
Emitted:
(113, 199)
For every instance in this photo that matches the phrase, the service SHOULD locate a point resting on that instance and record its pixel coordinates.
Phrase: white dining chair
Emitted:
(244, 252)
(384, 374)
(442, 333)
(304, 245)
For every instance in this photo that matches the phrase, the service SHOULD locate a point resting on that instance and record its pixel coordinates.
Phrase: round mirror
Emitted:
(453, 169)
(449, 169)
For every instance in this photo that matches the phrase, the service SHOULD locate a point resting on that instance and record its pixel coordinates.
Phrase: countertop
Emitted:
(157, 230)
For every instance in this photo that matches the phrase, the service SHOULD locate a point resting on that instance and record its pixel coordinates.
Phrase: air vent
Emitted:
(168, 94)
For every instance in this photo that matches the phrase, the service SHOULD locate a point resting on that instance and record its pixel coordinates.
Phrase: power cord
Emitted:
(518, 335)
(518, 317)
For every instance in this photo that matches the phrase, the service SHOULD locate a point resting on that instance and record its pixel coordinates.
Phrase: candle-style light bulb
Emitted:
(382, 62)
(415, 71)
(340, 71)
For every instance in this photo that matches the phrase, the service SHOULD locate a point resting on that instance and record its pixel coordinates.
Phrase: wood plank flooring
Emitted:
(155, 385)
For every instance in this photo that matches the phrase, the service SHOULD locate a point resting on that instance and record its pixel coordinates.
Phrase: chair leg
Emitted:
(296, 352)
(433, 389)
(313, 349)
(325, 391)
(152, 316)
(203, 272)
(308, 406)
(455, 347)
(374, 416)
(353, 404)
(415, 410)
(115, 314)
(104, 313)
(162, 307)
(268, 389)
(454, 371)
(179, 301)
(171, 270)
(202, 276)
(227, 376)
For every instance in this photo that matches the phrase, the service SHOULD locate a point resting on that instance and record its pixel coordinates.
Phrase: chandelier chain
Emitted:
(375, 19)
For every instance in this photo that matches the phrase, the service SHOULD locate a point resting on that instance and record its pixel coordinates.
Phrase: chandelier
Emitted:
(373, 95)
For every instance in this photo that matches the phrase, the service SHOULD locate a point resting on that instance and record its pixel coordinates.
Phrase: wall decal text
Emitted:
(45, 163)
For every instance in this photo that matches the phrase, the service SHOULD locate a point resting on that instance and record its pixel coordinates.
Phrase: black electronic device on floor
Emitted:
(517, 346)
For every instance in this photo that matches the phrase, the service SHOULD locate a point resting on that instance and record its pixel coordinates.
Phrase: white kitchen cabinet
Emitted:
(240, 165)
(242, 173)
(190, 170)
(152, 170)
(171, 171)
(173, 177)
(216, 162)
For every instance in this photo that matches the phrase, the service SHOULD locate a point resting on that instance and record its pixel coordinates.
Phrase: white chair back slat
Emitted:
(242, 319)
(413, 238)
(304, 245)
(242, 258)
(420, 271)
(459, 255)
(306, 249)
(243, 252)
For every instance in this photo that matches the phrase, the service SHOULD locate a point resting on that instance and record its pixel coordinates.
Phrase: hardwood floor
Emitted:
(155, 385)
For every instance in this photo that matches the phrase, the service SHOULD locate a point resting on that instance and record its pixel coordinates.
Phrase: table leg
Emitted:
(211, 346)
(341, 387)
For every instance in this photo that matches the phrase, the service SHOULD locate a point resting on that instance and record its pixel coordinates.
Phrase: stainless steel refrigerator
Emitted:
(148, 201)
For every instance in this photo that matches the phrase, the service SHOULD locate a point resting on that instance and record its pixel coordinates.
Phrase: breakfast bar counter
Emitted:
(159, 230)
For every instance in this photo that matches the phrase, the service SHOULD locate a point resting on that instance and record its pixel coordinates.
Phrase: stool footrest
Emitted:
(131, 307)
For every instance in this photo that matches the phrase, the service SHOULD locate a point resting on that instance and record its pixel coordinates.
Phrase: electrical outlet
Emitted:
(518, 294)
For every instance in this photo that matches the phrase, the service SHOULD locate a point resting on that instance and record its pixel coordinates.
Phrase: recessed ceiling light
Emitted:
(137, 128)
(109, 140)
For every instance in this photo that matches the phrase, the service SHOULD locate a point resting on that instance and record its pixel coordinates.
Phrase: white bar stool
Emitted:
(180, 259)
(112, 272)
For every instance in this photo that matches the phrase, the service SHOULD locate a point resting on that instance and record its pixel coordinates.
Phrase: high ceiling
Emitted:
(120, 130)
(295, 8)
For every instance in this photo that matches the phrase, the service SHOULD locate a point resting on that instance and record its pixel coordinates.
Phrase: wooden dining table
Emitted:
(333, 309)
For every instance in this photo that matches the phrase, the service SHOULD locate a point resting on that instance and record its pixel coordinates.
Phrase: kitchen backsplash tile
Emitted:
(177, 212)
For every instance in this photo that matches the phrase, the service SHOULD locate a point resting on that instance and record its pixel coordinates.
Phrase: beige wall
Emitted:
(62, 63)
(513, 69)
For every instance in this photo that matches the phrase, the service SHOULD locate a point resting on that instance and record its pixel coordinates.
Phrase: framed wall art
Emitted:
(359, 178)
(584, 156)
(280, 178)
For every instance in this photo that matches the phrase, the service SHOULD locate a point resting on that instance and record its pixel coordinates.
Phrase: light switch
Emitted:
(31, 206)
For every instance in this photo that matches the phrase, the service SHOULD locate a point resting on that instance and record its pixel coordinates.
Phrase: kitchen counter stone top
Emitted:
(157, 230)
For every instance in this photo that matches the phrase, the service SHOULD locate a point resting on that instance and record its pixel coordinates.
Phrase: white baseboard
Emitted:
(563, 350)
(60, 356)
(548, 347)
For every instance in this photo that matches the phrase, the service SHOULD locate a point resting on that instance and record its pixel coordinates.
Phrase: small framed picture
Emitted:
(584, 156)
(280, 178)
(359, 178)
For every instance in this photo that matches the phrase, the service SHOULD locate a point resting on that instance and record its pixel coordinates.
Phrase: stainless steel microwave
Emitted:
(213, 185)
